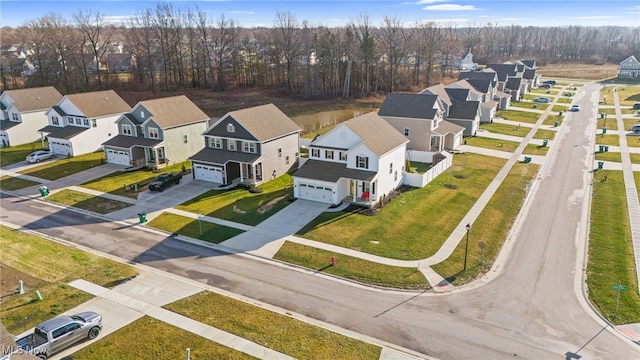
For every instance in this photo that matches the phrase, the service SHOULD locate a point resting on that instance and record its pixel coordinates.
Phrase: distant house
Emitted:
(157, 132)
(467, 63)
(359, 161)
(629, 68)
(24, 112)
(120, 62)
(79, 123)
(248, 146)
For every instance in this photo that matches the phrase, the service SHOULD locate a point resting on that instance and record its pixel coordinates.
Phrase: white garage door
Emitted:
(4, 139)
(118, 157)
(60, 147)
(208, 173)
(315, 192)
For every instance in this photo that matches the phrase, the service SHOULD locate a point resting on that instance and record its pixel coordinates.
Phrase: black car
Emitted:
(636, 106)
(550, 82)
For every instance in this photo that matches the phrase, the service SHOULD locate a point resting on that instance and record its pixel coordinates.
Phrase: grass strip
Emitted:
(15, 183)
(60, 168)
(80, 200)
(193, 228)
(15, 154)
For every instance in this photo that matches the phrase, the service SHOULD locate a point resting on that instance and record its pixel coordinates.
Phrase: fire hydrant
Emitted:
(333, 261)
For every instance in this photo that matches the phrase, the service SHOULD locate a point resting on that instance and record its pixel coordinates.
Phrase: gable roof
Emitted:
(529, 63)
(264, 122)
(464, 110)
(503, 70)
(377, 134)
(440, 91)
(513, 83)
(529, 73)
(417, 106)
(479, 75)
(173, 111)
(481, 85)
(99, 103)
(632, 58)
(34, 98)
(457, 95)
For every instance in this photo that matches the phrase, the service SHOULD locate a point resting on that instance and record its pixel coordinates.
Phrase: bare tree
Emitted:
(394, 39)
(287, 39)
(97, 34)
(142, 37)
(363, 33)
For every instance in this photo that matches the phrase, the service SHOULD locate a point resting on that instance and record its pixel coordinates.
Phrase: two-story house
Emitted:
(24, 112)
(248, 146)
(629, 68)
(487, 81)
(479, 90)
(359, 161)
(79, 123)
(458, 106)
(157, 132)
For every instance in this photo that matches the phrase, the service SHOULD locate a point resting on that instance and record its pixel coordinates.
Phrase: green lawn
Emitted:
(80, 200)
(15, 154)
(544, 134)
(611, 112)
(560, 107)
(400, 230)
(491, 228)
(194, 228)
(505, 129)
(418, 167)
(522, 116)
(242, 206)
(161, 342)
(627, 94)
(279, 332)
(528, 104)
(66, 166)
(503, 145)
(52, 265)
(352, 268)
(610, 123)
(15, 183)
(611, 258)
(119, 182)
(551, 120)
(608, 156)
(633, 141)
(612, 140)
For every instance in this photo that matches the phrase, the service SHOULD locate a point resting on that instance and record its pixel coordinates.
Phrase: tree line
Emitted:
(182, 47)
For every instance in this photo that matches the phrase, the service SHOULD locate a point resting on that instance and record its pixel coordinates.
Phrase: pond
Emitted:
(317, 121)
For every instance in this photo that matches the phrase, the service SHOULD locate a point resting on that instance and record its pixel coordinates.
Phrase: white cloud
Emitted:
(449, 7)
(428, 1)
(597, 17)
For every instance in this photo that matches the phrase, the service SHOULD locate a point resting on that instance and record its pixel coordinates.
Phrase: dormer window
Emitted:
(362, 162)
(231, 128)
(14, 117)
(153, 133)
(55, 120)
(85, 122)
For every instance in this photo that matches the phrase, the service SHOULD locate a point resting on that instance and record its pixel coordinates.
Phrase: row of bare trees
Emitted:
(182, 47)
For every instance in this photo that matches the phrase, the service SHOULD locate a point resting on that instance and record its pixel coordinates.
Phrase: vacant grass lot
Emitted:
(633, 141)
(610, 123)
(14, 183)
(491, 227)
(161, 342)
(352, 268)
(522, 116)
(279, 332)
(55, 265)
(505, 129)
(80, 200)
(627, 94)
(193, 228)
(400, 230)
(242, 206)
(16, 154)
(611, 258)
(64, 167)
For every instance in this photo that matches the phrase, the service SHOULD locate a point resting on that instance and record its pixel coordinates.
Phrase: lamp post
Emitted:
(466, 247)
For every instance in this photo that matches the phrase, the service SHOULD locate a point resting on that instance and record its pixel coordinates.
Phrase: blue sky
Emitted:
(339, 12)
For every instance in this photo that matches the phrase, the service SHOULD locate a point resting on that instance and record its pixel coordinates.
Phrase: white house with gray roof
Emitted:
(24, 112)
(157, 132)
(248, 146)
(359, 161)
(79, 123)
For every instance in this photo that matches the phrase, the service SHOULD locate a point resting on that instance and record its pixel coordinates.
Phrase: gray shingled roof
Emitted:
(6, 124)
(465, 110)
(377, 134)
(32, 99)
(457, 95)
(264, 122)
(221, 157)
(503, 70)
(479, 75)
(173, 111)
(127, 142)
(331, 171)
(99, 103)
(66, 132)
(513, 83)
(482, 85)
(416, 106)
(440, 91)
(446, 127)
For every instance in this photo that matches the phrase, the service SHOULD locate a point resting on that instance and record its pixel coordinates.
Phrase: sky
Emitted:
(332, 13)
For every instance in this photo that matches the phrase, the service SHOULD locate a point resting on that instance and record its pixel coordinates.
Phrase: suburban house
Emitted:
(467, 63)
(156, 133)
(487, 82)
(79, 123)
(421, 119)
(458, 106)
(248, 146)
(24, 112)
(359, 161)
(629, 68)
(480, 91)
(505, 72)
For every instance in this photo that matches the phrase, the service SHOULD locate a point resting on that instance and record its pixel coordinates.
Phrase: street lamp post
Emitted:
(466, 247)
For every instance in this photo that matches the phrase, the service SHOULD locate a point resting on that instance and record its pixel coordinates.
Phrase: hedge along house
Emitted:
(80, 123)
(248, 146)
(157, 132)
(24, 112)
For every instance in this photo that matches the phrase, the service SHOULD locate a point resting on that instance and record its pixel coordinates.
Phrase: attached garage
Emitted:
(4, 139)
(118, 157)
(60, 147)
(208, 173)
(315, 192)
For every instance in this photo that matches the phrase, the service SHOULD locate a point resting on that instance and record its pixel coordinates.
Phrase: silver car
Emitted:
(40, 155)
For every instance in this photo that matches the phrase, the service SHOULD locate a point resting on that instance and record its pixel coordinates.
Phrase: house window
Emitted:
(343, 156)
(286, 160)
(153, 133)
(55, 120)
(395, 176)
(142, 114)
(248, 147)
(185, 139)
(14, 116)
(78, 121)
(406, 132)
(231, 128)
(85, 122)
(328, 154)
(231, 145)
(126, 129)
(279, 152)
(362, 162)
(215, 143)
(391, 168)
(94, 123)
(315, 153)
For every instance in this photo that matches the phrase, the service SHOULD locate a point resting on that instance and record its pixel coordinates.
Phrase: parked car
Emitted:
(40, 155)
(165, 180)
(542, 100)
(575, 107)
(544, 86)
(636, 128)
(550, 82)
(54, 335)
(636, 106)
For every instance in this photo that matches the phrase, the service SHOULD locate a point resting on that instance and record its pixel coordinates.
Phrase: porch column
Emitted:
(241, 175)
(355, 190)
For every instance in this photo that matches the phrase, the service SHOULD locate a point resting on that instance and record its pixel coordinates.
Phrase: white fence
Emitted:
(420, 180)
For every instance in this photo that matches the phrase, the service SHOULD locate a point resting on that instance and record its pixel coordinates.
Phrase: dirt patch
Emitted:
(9, 278)
(268, 206)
